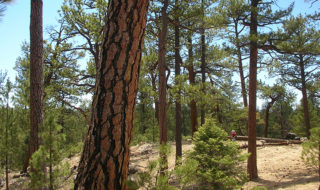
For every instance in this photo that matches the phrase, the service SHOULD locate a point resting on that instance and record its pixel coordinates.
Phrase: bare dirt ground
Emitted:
(279, 167)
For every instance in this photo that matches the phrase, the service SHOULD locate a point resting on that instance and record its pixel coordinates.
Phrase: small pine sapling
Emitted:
(311, 149)
(49, 157)
(215, 162)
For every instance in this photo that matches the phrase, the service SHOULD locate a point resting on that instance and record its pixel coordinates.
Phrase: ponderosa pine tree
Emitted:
(262, 15)
(105, 159)
(5, 93)
(178, 63)
(252, 131)
(203, 59)
(234, 11)
(85, 20)
(274, 94)
(36, 77)
(163, 82)
(192, 80)
(298, 59)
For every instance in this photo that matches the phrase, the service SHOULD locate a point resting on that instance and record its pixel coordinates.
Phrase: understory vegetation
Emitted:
(204, 72)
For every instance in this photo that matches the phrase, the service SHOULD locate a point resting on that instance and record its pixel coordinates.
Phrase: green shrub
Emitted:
(311, 151)
(49, 155)
(215, 161)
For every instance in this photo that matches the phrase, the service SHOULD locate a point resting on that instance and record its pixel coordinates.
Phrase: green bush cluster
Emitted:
(215, 162)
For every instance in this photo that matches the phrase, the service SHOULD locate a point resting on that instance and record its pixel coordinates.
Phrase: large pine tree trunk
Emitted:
(105, 158)
(304, 96)
(177, 73)
(252, 131)
(36, 77)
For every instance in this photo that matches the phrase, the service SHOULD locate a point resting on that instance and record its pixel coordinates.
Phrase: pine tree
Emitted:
(105, 157)
(49, 155)
(36, 77)
(298, 61)
(163, 81)
(274, 93)
(214, 161)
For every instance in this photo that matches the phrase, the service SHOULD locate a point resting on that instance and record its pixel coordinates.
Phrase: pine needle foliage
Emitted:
(215, 160)
(311, 148)
(48, 158)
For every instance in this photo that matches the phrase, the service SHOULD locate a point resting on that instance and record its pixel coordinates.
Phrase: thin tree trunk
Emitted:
(241, 72)
(240, 66)
(7, 148)
(156, 100)
(203, 72)
(105, 158)
(51, 160)
(177, 74)
(163, 84)
(252, 131)
(218, 113)
(203, 62)
(192, 80)
(36, 77)
(304, 97)
(319, 165)
(282, 122)
(267, 120)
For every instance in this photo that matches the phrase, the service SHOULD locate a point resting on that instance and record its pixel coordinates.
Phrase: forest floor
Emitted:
(279, 167)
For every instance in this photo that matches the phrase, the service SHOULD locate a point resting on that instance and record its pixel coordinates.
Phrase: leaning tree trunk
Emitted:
(36, 77)
(252, 131)
(105, 158)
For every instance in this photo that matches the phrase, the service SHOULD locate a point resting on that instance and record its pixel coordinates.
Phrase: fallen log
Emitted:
(262, 145)
(270, 140)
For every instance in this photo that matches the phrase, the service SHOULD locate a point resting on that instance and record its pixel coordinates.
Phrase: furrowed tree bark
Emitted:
(177, 73)
(163, 84)
(252, 131)
(105, 158)
(36, 78)
(304, 96)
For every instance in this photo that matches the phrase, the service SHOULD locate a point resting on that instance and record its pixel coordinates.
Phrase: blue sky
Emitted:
(14, 26)
(14, 29)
